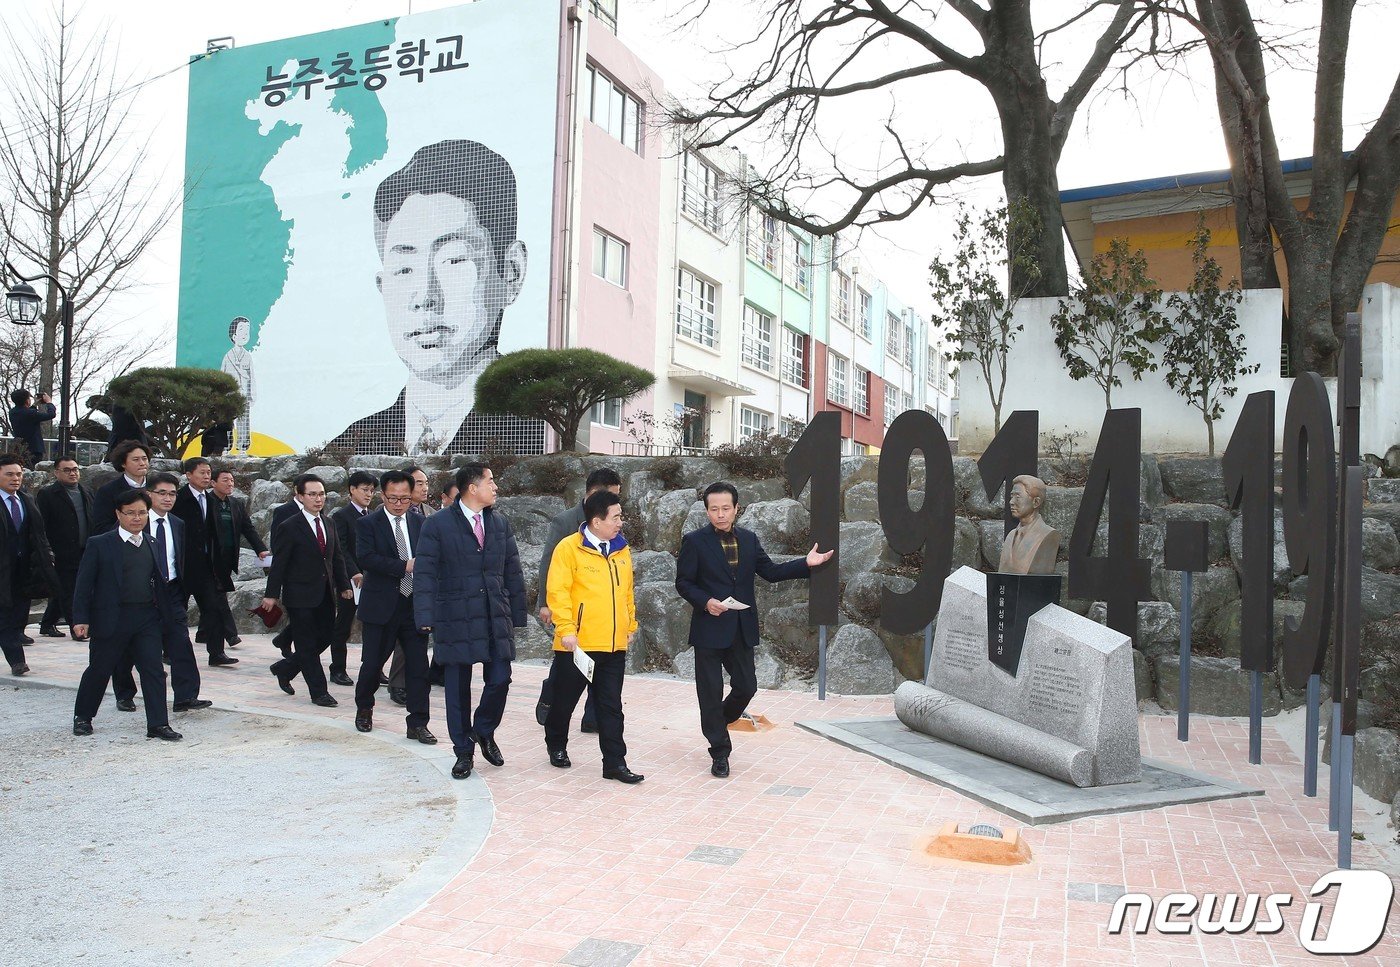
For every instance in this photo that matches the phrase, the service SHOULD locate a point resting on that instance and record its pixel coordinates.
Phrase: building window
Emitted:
(695, 309)
(860, 391)
(909, 347)
(756, 347)
(754, 423)
(613, 109)
(799, 264)
(794, 357)
(607, 413)
(838, 379)
(605, 11)
(935, 367)
(867, 315)
(892, 333)
(763, 239)
(700, 191)
(891, 404)
(609, 258)
(907, 403)
(792, 426)
(843, 298)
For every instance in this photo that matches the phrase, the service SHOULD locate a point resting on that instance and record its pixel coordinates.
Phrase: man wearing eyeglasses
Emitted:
(166, 533)
(385, 544)
(119, 598)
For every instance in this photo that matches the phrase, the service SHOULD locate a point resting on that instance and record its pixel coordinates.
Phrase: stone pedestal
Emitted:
(1069, 712)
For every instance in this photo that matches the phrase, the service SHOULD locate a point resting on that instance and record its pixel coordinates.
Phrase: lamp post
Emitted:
(22, 306)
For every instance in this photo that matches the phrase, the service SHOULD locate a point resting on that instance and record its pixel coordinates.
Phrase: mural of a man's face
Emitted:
(240, 334)
(443, 287)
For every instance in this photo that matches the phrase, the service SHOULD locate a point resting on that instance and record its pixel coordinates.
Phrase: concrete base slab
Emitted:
(1020, 793)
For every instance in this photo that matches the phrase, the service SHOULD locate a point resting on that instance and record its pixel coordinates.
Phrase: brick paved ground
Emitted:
(807, 854)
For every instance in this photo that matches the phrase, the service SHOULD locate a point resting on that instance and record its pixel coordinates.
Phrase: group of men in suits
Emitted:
(452, 579)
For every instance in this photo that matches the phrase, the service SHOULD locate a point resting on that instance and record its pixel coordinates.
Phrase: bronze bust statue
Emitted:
(1030, 548)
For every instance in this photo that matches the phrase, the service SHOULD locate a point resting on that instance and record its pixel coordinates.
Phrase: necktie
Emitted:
(480, 535)
(160, 549)
(401, 542)
(604, 548)
(320, 537)
(14, 511)
(203, 510)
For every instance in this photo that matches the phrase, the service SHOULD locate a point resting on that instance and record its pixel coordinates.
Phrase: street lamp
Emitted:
(22, 306)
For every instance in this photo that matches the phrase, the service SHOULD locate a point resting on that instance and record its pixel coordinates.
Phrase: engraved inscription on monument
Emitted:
(1055, 689)
(965, 650)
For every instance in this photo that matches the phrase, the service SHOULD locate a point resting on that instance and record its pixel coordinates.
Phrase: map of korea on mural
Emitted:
(367, 225)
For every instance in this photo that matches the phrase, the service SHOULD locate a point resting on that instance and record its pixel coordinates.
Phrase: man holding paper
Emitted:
(715, 574)
(589, 594)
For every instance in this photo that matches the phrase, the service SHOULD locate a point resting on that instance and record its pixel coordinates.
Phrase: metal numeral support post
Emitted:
(1334, 774)
(1256, 717)
(1310, 736)
(1183, 702)
(928, 650)
(1349, 644)
(821, 663)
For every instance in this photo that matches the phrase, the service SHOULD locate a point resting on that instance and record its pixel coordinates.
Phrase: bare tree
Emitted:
(1328, 247)
(821, 51)
(72, 165)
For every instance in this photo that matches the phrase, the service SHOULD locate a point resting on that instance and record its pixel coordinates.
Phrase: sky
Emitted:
(1149, 124)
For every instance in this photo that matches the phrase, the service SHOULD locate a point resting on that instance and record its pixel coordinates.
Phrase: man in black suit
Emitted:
(27, 420)
(718, 562)
(120, 598)
(26, 563)
(132, 461)
(166, 533)
(232, 527)
(385, 542)
(360, 488)
(307, 573)
(284, 511)
(445, 226)
(66, 506)
(195, 506)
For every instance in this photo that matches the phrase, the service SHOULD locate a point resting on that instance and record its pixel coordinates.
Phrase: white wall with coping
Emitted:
(1037, 380)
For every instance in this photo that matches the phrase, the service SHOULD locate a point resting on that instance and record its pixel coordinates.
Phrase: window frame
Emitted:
(697, 335)
(832, 358)
(751, 334)
(602, 237)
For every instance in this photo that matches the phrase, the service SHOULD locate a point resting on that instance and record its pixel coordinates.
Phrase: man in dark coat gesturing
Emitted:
(718, 563)
(469, 594)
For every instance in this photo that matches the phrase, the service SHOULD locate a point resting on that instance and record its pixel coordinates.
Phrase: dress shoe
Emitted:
(541, 711)
(560, 759)
(283, 683)
(49, 631)
(623, 774)
(364, 720)
(325, 701)
(164, 732)
(384, 679)
(126, 705)
(82, 726)
(399, 696)
(26, 639)
(490, 751)
(221, 659)
(463, 767)
(590, 727)
(20, 669)
(234, 642)
(720, 768)
(421, 734)
(192, 704)
(340, 678)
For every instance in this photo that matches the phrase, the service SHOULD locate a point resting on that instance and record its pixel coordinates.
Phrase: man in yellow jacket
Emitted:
(589, 592)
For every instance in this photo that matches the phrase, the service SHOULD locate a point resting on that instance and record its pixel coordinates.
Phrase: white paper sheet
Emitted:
(583, 663)
(734, 605)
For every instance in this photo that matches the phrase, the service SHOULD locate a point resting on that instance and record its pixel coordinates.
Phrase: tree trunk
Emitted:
(1210, 434)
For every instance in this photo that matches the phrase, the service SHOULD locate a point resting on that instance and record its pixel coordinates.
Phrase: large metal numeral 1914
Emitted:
(815, 460)
(1309, 517)
(927, 528)
(1121, 579)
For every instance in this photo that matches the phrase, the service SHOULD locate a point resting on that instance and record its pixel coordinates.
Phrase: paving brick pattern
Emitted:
(809, 850)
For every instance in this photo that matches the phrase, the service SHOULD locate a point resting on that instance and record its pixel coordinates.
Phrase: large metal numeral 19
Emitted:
(1121, 579)
(1010, 454)
(816, 459)
(1248, 468)
(1309, 515)
(929, 528)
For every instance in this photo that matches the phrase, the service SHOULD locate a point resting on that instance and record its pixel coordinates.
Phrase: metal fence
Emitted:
(623, 448)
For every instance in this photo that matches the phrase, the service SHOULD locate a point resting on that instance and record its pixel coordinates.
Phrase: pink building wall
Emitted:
(619, 191)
